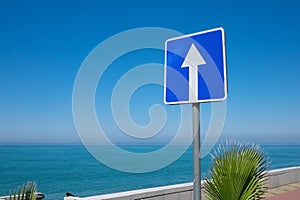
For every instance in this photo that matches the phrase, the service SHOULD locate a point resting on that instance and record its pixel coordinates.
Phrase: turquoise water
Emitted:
(61, 169)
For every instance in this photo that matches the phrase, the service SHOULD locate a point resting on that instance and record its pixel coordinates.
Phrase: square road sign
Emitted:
(195, 68)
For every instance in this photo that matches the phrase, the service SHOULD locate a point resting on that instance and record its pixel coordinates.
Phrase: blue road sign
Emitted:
(195, 68)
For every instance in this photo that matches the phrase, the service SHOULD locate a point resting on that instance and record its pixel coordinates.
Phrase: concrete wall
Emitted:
(280, 177)
(170, 192)
(184, 191)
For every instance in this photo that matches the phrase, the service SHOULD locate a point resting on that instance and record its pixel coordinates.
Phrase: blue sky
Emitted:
(43, 43)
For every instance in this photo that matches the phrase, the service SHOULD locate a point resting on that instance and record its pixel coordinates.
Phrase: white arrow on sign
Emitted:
(192, 60)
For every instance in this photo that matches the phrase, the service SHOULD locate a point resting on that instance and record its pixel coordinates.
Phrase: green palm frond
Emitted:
(238, 173)
(26, 192)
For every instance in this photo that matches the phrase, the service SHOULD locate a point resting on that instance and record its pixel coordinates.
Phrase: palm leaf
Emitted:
(238, 173)
(26, 192)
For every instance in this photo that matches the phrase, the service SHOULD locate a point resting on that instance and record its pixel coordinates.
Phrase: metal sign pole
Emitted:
(196, 151)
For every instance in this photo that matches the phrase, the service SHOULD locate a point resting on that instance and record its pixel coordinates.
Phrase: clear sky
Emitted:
(43, 43)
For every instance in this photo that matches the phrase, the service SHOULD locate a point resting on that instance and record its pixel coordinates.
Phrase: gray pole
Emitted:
(196, 151)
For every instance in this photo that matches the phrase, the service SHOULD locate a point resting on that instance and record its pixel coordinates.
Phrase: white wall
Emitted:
(184, 191)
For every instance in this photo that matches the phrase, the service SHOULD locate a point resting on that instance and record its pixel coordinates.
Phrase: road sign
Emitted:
(195, 68)
(195, 72)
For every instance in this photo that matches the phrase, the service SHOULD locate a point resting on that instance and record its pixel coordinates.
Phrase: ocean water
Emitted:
(61, 169)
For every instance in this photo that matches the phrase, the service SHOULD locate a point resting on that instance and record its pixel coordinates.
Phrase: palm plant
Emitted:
(26, 192)
(238, 173)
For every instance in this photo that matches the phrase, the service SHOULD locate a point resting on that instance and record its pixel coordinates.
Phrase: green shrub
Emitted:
(238, 173)
(26, 192)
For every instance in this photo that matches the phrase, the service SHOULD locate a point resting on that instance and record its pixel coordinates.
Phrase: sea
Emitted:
(58, 169)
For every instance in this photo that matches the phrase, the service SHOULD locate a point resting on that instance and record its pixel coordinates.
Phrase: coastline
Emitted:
(61, 168)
